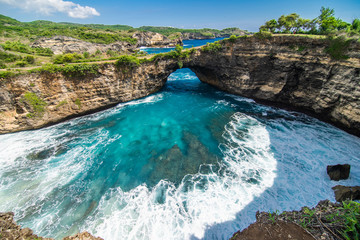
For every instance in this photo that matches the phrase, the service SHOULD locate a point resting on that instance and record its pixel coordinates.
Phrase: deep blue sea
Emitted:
(186, 44)
(188, 162)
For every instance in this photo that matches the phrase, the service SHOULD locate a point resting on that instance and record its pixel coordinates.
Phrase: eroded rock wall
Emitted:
(292, 71)
(152, 39)
(63, 44)
(67, 97)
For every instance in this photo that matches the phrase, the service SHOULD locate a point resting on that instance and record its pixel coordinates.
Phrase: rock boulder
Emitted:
(343, 193)
(338, 172)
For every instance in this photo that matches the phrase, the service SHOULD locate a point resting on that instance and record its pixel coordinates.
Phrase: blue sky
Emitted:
(218, 14)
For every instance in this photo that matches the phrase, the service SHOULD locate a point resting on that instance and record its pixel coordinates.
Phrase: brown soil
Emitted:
(273, 231)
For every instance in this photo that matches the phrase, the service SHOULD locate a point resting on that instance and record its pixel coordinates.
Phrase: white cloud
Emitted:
(52, 6)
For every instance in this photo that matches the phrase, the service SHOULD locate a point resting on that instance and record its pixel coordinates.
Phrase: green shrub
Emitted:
(43, 51)
(8, 57)
(67, 58)
(232, 38)
(38, 105)
(175, 36)
(47, 68)
(74, 70)
(212, 47)
(263, 35)
(6, 74)
(127, 61)
(78, 102)
(338, 48)
(111, 53)
(29, 59)
(80, 70)
(20, 64)
(23, 48)
(2, 65)
(86, 54)
(351, 219)
(180, 64)
(16, 46)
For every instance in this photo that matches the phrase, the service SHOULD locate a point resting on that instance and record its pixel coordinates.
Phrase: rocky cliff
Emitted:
(35, 100)
(63, 44)
(152, 39)
(291, 71)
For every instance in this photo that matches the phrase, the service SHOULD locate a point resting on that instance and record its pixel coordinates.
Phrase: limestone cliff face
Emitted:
(292, 71)
(196, 35)
(63, 44)
(152, 39)
(67, 97)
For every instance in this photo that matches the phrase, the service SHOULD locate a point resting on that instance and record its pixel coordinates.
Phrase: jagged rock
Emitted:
(63, 44)
(343, 193)
(196, 35)
(83, 236)
(151, 39)
(338, 172)
(10, 230)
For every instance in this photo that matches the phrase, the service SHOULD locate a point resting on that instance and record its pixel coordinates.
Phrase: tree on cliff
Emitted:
(327, 21)
(270, 25)
(323, 24)
(287, 22)
(355, 25)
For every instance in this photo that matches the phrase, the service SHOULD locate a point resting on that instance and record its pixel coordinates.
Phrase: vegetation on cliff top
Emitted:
(340, 33)
(97, 33)
(73, 70)
(204, 32)
(324, 24)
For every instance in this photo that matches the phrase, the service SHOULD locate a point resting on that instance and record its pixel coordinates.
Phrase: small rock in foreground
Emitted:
(343, 193)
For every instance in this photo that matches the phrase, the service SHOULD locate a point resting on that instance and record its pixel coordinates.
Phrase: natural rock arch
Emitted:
(270, 70)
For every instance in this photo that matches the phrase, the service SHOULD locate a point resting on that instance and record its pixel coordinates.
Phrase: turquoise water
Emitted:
(186, 44)
(189, 162)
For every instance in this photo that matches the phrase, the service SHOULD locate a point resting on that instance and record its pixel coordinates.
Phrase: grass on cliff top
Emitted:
(73, 70)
